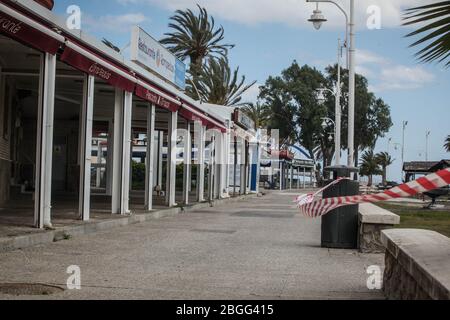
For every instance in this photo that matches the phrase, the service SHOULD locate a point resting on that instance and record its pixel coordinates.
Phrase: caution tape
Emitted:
(312, 208)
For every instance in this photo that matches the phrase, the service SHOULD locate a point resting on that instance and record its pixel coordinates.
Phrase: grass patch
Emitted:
(418, 218)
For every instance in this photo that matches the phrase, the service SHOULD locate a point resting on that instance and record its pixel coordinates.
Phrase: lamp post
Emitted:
(318, 19)
(428, 133)
(338, 109)
(405, 124)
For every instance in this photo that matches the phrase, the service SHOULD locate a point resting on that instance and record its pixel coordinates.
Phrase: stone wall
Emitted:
(372, 221)
(417, 265)
(370, 237)
(398, 283)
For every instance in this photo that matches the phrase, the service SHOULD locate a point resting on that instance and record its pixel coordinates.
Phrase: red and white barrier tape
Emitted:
(316, 208)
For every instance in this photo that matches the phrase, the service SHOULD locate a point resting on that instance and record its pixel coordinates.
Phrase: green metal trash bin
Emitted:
(340, 226)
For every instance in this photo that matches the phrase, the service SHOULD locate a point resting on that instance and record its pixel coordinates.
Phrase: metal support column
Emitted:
(117, 151)
(149, 161)
(200, 132)
(87, 114)
(171, 160)
(126, 155)
(187, 163)
(44, 142)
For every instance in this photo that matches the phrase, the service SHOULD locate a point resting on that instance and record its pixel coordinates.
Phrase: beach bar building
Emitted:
(86, 133)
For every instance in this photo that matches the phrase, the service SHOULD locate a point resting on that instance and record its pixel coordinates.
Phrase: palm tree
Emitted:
(436, 31)
(217, 84)
(369, 166)
(384, 160)
(447, 144)
(259, 113)
(195, 37)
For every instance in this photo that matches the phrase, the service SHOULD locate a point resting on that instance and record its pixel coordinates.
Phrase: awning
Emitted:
(153, 95)
(21, 28)
(89, 63)
(159, 98)
(193, 114)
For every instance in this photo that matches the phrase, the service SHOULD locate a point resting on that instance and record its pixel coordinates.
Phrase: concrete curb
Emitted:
(44, 237)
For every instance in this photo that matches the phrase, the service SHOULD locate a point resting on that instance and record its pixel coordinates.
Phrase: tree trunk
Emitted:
(384, 176)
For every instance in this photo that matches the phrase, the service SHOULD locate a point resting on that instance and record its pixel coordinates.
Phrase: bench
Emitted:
(417, 265)
(373, 220)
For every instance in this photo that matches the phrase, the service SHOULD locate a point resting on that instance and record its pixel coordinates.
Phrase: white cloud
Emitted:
(115, 23)
(404, 78)
(384, 74)
(290, 12)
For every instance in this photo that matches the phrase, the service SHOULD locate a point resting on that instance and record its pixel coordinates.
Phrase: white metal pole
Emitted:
(159, 159)
(117, 152)
(126, 155)
(352, 88)
(87, 114)
(44, 142)
(171, 160)
(243, 184)
(211, 169)
(201, 132)
(109, 158)
(149, 166)
(187, 163)
(338, 108)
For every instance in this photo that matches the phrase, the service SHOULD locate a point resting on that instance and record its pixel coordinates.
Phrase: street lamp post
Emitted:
(317, 18)
(428, 133)
(338, 109)
(405, 124)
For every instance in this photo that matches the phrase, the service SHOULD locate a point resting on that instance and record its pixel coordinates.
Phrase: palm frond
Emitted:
(195, 36)
(447, 144)
(217, 84)
(435, 33)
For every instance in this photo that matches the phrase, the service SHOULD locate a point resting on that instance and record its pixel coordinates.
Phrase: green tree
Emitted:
(447, 144)
(282, 109)
(295, 108)
(217, 84)
(434, 20)
(195, 37)
(384, 160)
(298, 112)
(369, 165)
(258, 112)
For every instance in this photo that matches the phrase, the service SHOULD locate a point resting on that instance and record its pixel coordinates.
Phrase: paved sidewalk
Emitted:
(258, 248)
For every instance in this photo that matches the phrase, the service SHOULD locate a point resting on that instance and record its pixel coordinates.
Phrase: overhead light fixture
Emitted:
(317, 18)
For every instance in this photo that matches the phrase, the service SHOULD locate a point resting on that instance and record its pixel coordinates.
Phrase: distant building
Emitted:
(421, 168)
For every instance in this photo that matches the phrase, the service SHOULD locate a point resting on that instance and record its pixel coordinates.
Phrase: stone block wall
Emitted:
(372, 221)
(370, 237)
(417, 265)
(399, 284)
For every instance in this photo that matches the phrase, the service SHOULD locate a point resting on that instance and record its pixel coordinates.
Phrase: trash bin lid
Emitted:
(342, 171)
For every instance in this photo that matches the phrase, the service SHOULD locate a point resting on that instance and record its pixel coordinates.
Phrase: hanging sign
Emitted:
(150, 54)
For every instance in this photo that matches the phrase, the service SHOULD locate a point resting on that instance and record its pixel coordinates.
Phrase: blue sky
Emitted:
(270, 34)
